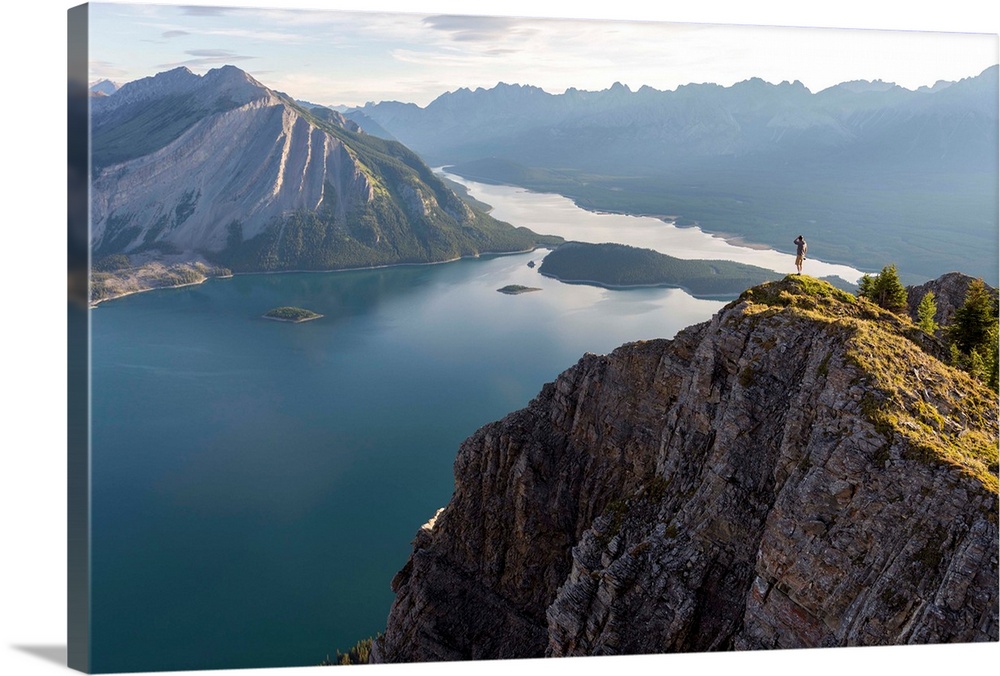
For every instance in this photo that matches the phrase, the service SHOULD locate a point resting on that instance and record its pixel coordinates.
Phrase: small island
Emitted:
(295, 315)
(514, 289)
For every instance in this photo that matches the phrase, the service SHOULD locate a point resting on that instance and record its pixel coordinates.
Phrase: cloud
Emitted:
(213, 53)
(472, 28)
(105, 70)
(208, 57)
(196, 10)
(174, 34)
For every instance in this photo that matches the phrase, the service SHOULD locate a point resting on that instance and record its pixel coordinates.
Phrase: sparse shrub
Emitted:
(824, 366)
(359, 654)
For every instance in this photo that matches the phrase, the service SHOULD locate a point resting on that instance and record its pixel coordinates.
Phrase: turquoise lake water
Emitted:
(256, 484)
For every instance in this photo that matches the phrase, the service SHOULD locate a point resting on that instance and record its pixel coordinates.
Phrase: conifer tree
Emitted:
(884, 289)
(974, 319)
(974, 331)
(925, 313)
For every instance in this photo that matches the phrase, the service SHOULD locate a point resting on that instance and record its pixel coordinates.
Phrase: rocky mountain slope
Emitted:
(220, 167)
(796, 472)
(103, 87)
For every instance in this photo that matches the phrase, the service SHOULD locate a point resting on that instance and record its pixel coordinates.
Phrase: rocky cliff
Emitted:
(796, 472)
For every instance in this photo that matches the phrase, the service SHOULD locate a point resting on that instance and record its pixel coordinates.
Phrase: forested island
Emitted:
(514, 289)
(622, 266)
(291, 314)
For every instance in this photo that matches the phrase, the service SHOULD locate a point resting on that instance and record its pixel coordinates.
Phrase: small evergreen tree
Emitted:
(975, 319)
(884, 289)
(974, 334)
(925, 313)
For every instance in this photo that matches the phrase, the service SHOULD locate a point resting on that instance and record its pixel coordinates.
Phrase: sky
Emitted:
(32, 419)
(336, 57)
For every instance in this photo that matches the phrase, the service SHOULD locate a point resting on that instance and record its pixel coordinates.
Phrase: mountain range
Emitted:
(221, 168)
(653, 130)
(912, 173)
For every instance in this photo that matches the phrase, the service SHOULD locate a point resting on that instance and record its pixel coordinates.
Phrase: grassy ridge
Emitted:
(941, 414)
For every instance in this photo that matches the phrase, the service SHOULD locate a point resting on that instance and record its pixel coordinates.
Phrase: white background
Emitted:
(32, 413)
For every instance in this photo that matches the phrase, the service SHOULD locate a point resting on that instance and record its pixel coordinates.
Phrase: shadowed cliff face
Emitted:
(796, 472)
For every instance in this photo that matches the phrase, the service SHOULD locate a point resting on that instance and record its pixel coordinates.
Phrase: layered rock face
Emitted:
(239, 153)
(221, 168)
(250, 164)
(794, 473)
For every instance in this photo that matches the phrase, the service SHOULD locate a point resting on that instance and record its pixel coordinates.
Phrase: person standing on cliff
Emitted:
(800, 252)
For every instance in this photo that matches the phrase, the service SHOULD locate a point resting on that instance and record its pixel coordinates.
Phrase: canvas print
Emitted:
(411, 338)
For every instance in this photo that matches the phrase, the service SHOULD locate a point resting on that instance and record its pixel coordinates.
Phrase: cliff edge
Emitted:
(796, 472)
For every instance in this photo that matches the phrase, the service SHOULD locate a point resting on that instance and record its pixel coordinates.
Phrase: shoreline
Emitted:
(292, 321)
(91, 305)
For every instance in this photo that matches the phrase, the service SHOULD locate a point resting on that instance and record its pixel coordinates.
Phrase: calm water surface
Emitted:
(256, 484)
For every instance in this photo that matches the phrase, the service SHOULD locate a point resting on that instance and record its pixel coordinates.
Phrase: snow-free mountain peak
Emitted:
(221, 168)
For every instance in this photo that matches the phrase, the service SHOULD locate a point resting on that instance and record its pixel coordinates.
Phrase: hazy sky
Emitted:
(350, 57)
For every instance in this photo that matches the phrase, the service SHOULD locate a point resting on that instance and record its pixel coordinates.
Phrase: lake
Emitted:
(257, 484)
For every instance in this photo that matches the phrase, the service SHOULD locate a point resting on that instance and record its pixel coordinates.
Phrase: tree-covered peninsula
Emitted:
(619, 265)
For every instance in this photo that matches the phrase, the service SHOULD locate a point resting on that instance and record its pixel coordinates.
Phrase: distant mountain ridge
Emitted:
(219, 167)
(529, 125)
